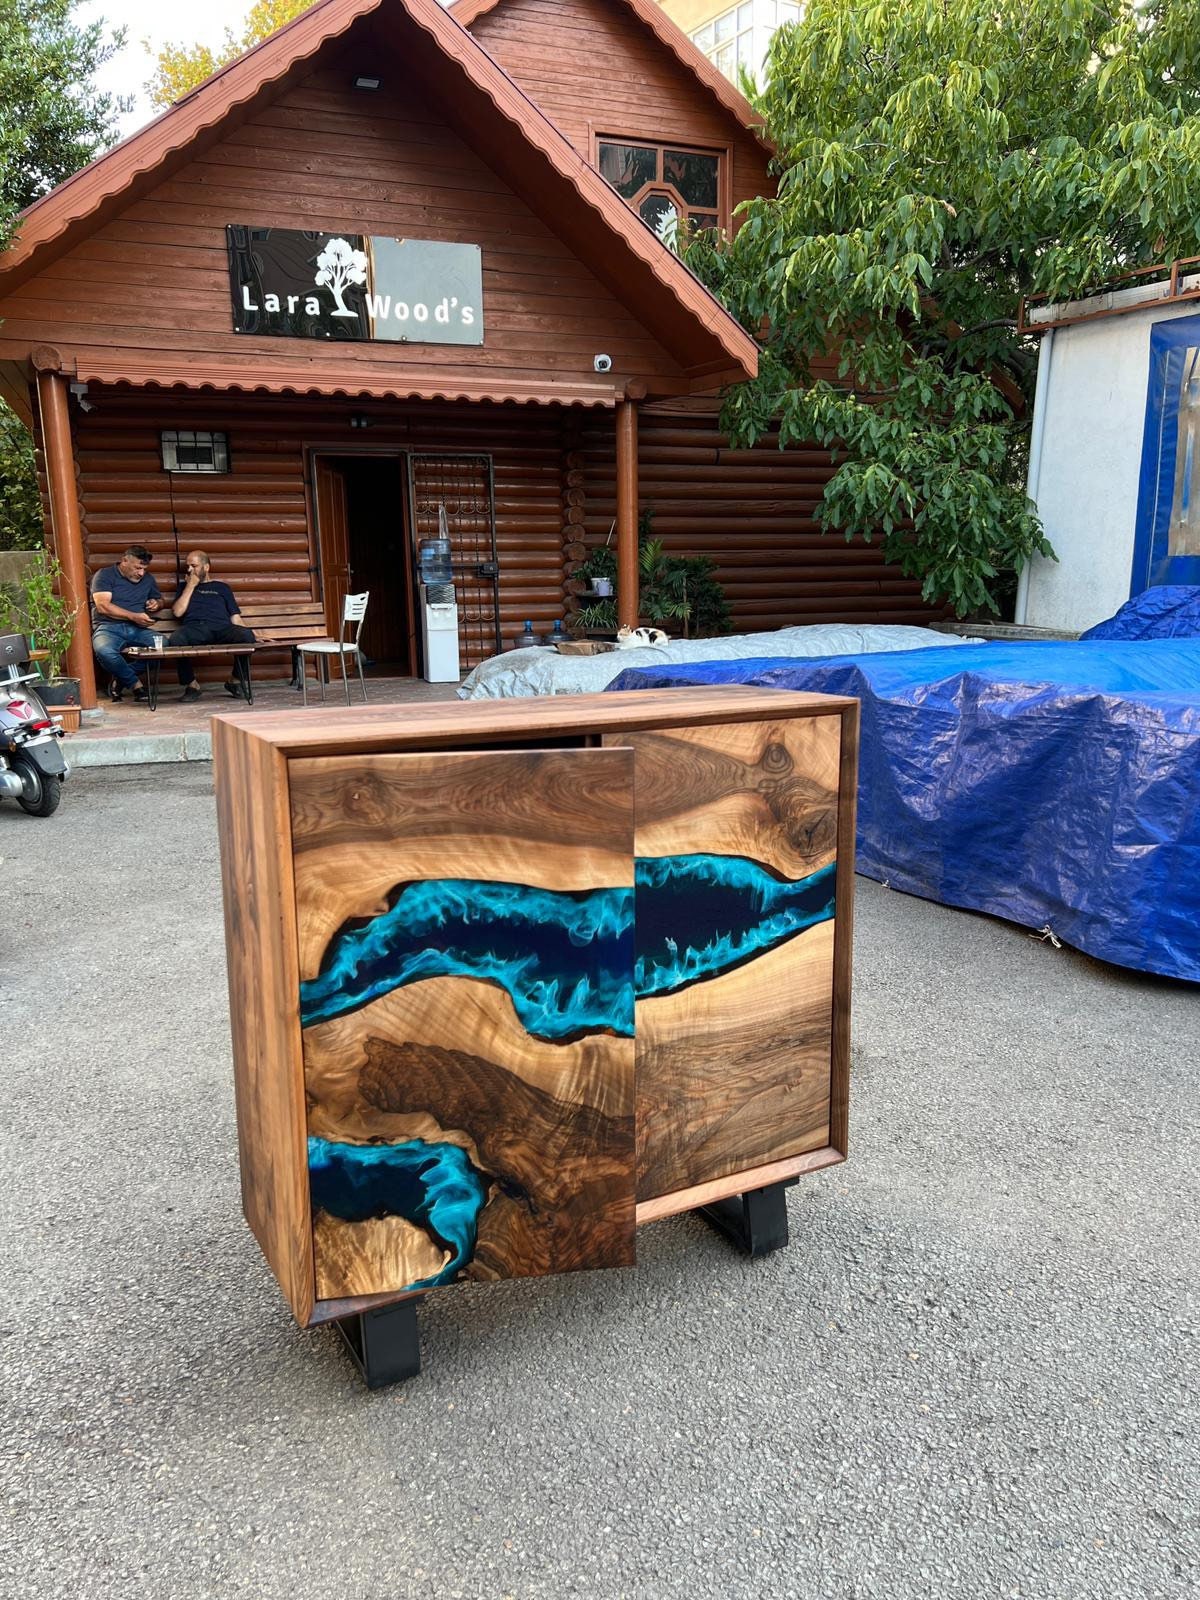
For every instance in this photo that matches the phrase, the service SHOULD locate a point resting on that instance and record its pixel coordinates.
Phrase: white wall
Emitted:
(1091, 458)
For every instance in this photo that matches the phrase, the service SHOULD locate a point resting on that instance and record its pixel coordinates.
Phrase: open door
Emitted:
(333, 533)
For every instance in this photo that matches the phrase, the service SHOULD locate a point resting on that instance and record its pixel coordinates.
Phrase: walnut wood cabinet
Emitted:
(509, 979)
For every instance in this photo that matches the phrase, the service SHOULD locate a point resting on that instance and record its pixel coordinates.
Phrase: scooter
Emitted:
(32, 765)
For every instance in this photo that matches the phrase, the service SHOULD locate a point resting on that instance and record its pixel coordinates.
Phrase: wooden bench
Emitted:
(276, 625)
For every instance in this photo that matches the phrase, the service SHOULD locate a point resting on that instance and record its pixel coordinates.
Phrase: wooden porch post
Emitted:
(65, 527)
(627, 514)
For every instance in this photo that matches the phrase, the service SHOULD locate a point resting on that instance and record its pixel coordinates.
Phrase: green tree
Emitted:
(180, 68)
(52, 117)
(53, 120)
(20, 503)
(939, 159)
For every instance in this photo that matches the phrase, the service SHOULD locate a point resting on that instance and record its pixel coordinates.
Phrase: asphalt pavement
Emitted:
(973, 1373)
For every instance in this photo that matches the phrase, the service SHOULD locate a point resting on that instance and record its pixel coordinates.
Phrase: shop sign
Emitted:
(352, 286)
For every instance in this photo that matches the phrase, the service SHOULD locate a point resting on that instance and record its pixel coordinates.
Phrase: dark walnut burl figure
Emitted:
(561, 1169)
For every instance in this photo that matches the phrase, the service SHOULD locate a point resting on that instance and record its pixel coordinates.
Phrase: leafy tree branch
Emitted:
(938, 160)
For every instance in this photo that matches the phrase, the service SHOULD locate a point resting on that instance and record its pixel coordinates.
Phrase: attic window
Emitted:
(189, 450)
(665, 184)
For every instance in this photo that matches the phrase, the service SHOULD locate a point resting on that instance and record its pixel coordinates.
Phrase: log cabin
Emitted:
(397, 260)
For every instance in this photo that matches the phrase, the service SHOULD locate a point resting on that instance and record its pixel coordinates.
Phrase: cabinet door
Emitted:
(465, 931)
(736, 842)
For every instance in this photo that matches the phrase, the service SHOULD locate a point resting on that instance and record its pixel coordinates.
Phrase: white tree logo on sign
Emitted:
(338, 266)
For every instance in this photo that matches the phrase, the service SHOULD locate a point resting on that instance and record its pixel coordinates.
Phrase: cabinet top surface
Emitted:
(328, 730)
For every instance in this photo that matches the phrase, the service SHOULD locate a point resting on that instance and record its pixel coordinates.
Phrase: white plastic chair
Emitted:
(354, 610)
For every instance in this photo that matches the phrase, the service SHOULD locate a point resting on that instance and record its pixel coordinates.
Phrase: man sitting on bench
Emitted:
(125, 601)
(211, 616)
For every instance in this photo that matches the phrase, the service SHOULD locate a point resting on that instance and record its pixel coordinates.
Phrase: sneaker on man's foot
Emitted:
(115, 692)
(233, 687)
(140, 693)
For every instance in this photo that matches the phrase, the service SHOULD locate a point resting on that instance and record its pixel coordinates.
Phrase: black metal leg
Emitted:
(243, 671)
(154, 667)
(756, 1222)
(384, 1343)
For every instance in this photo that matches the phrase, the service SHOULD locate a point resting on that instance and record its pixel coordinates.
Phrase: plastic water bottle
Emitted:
(434, 561)
(528, 637)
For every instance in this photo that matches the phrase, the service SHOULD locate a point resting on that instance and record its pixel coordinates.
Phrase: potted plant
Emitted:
(33, 607)
(678, 593)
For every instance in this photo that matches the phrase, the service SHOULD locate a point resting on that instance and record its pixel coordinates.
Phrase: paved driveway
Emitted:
(972, 1374)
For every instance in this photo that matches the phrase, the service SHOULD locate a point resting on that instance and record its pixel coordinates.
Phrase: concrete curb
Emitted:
(139, 751)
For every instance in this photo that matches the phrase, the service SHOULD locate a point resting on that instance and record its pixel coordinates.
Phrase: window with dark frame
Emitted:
(666, 184)
(194, 450)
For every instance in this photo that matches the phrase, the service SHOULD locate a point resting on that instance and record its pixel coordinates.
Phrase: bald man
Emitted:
(210, 615)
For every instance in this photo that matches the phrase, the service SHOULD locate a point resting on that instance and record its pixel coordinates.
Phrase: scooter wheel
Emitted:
(40, 795)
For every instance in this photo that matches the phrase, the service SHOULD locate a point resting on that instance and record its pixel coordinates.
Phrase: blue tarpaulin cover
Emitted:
(1057, 785)
(1171, 611)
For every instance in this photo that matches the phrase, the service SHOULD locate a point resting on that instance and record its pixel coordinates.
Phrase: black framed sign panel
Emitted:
(296, 284)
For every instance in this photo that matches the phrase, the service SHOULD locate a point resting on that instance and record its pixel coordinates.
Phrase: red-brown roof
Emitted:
(652, 16)
(519, 142)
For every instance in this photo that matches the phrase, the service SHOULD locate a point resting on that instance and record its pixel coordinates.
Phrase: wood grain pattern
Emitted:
(703, 1194)
(260, 943)
(734, 1072)
(450, 1061)
(765, 790)
(360, 828)
(843, 950)
(449, 725)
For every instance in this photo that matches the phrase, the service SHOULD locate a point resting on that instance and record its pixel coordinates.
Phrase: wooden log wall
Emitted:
(254, 521)
(754, 513)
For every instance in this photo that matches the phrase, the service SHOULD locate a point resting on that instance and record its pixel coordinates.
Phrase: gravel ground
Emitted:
(972, 1374)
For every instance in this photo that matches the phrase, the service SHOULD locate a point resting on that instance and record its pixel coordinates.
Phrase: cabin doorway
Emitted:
(365, 542)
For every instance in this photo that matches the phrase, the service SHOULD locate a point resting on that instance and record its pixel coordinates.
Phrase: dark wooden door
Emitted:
(333, 535)
(380, 559)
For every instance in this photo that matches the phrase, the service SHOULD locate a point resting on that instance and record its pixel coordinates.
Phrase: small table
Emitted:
(155, 658)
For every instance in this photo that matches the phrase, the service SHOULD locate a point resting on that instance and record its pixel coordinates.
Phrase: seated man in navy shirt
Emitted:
(125, 601)
(210, 616)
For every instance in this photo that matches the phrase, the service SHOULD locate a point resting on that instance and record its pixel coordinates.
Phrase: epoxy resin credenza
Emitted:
(507, 979)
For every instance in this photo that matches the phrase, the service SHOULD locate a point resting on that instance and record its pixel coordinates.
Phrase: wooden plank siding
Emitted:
(595, 70)
(754, 513)
(256, 522)
(154, 281)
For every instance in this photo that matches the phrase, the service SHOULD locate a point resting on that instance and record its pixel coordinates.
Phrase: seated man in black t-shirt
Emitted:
(210, 616)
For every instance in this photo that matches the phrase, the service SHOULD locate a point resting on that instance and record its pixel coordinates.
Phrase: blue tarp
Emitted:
(1172, 611)
(1057, 785)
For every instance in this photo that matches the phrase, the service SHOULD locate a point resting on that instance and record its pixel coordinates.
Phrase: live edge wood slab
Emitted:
(509, 978)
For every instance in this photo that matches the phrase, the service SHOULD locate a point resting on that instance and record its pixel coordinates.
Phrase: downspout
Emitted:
(1033, 481)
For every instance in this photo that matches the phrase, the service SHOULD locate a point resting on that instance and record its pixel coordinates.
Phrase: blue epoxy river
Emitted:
(566, 958)
(700, 916)
(570, 960)
(433, 1186)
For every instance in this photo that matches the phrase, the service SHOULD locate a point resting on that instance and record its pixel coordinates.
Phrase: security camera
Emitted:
(602, 363)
